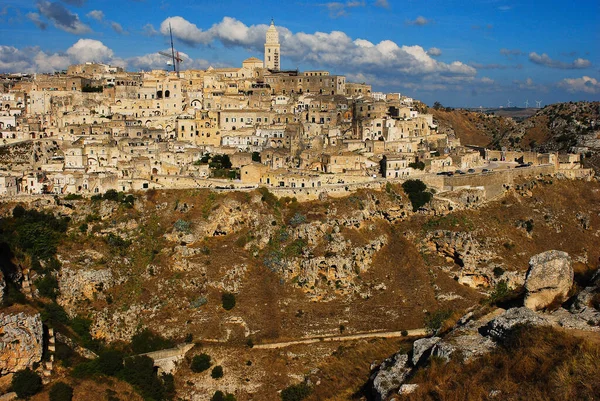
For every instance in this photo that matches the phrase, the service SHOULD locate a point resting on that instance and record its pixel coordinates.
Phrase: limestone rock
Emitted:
(21, 340)
(420, 348)
(550, 276)
(79, 284)
(499, 327)
(408, 388)
(390, 375)
(443, 350)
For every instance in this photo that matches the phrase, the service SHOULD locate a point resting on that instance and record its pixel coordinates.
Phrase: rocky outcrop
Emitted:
(499, 327)
(549, 279)
(79, 284)
(2, 287)
(390, 375)
(21, 340)
(421, 347)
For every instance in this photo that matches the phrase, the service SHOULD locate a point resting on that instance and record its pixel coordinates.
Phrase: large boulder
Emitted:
(21, 341)
(422, 347)
(390, 375)
(499, 327)
(549, 279)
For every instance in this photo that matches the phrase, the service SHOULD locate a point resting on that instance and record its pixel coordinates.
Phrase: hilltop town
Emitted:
(97, 127)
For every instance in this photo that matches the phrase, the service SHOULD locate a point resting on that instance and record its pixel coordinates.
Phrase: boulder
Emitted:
(408, 388)
(390, 375)
(21, 341)
(421, 347)
(2, 287)
(549, 278)
(443, 350)
(499, 327)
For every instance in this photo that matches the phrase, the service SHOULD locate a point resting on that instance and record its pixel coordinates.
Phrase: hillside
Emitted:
(161, 261)
(558, 127)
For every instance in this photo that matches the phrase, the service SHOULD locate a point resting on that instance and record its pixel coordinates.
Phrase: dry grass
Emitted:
(533, 364)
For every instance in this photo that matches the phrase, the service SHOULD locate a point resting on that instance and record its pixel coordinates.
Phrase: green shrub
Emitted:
(61, 392)
(47, 286)
(434, 321)
(200, 363)
(415, 189)
(53, 314)
(139, 372)
(296, 392)
(217, 372)
(220, 396)
(73, 197)
(148, 341)
(228, 300)
(110, 362)
(182, 226)
(26, 383)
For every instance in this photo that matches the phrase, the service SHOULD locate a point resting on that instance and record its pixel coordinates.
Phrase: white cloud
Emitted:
(98, 15)
(335, 50)
(434, 52)
(35, 18)
(420, 21)
(584, 84)
(339, 9)
(61, 17)
(89, 50)
(117, 27)
(149, 30)
(546, 61)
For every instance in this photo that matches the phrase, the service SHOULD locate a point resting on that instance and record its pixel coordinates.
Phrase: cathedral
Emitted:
(272, 48)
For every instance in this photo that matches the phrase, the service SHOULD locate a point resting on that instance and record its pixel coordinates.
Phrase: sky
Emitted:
(461, 53)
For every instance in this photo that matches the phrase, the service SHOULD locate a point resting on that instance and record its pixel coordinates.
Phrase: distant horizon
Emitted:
(472, 55)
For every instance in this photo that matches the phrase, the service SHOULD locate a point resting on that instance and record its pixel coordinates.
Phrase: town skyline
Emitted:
(485, 56)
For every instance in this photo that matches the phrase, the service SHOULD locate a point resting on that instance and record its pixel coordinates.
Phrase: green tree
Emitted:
(296, 392)
(217, 372)
(110, 362)
(26, 383)
(61, 392)
(415, 189)
(200, 363)
(228, 300)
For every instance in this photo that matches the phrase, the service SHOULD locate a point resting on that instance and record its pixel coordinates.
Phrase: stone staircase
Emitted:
(49, 364)
(26, 284)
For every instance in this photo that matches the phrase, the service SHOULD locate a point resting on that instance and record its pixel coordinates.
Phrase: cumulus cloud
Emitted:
(98, 15)
(155, 61)
(35, 18)
(546, 61)
(584, 84)
(89, 50)
(61, 17)
(434, 52)
(31, 59)
(419, 21)
(335, 50)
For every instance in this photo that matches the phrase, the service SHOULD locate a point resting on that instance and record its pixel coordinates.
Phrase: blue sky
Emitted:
(461, 53)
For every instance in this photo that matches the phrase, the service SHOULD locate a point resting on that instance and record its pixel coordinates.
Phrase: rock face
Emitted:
(550, 277)
(503, 324)
(420, 348)
(79, 284)
(21, 336)
(392, 372)
(2, 287)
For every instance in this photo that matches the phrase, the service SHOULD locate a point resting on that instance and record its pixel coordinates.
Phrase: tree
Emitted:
(26, 383)
(415, 189)
(256, 157)
(110, 362)
(297, 392)
(228, 300)
(200, 363)
(437, 106)
(61, 392)
(217, 372)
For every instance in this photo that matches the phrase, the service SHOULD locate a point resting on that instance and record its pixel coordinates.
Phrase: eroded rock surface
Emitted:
(549, 279)
(21, 340)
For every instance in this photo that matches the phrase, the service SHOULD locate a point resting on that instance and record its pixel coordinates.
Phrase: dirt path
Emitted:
(349, 337)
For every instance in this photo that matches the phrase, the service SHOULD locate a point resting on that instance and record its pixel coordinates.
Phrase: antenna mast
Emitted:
(175, 60)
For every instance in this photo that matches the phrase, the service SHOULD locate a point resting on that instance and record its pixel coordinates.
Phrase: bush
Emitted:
(61, 392)
(220, 396)
(297, 392)
(434, 321)
(47, 286)
(417, 165)
(182, 226)
(200, 363)
(73, 197)
(148, 341)
(415, 189)
(228, 300)
(217, 372)
(139, 372)
(54, 314)
(110, 362)
(26, 383)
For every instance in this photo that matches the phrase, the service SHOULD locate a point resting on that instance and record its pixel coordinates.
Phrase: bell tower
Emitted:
(272, 48)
